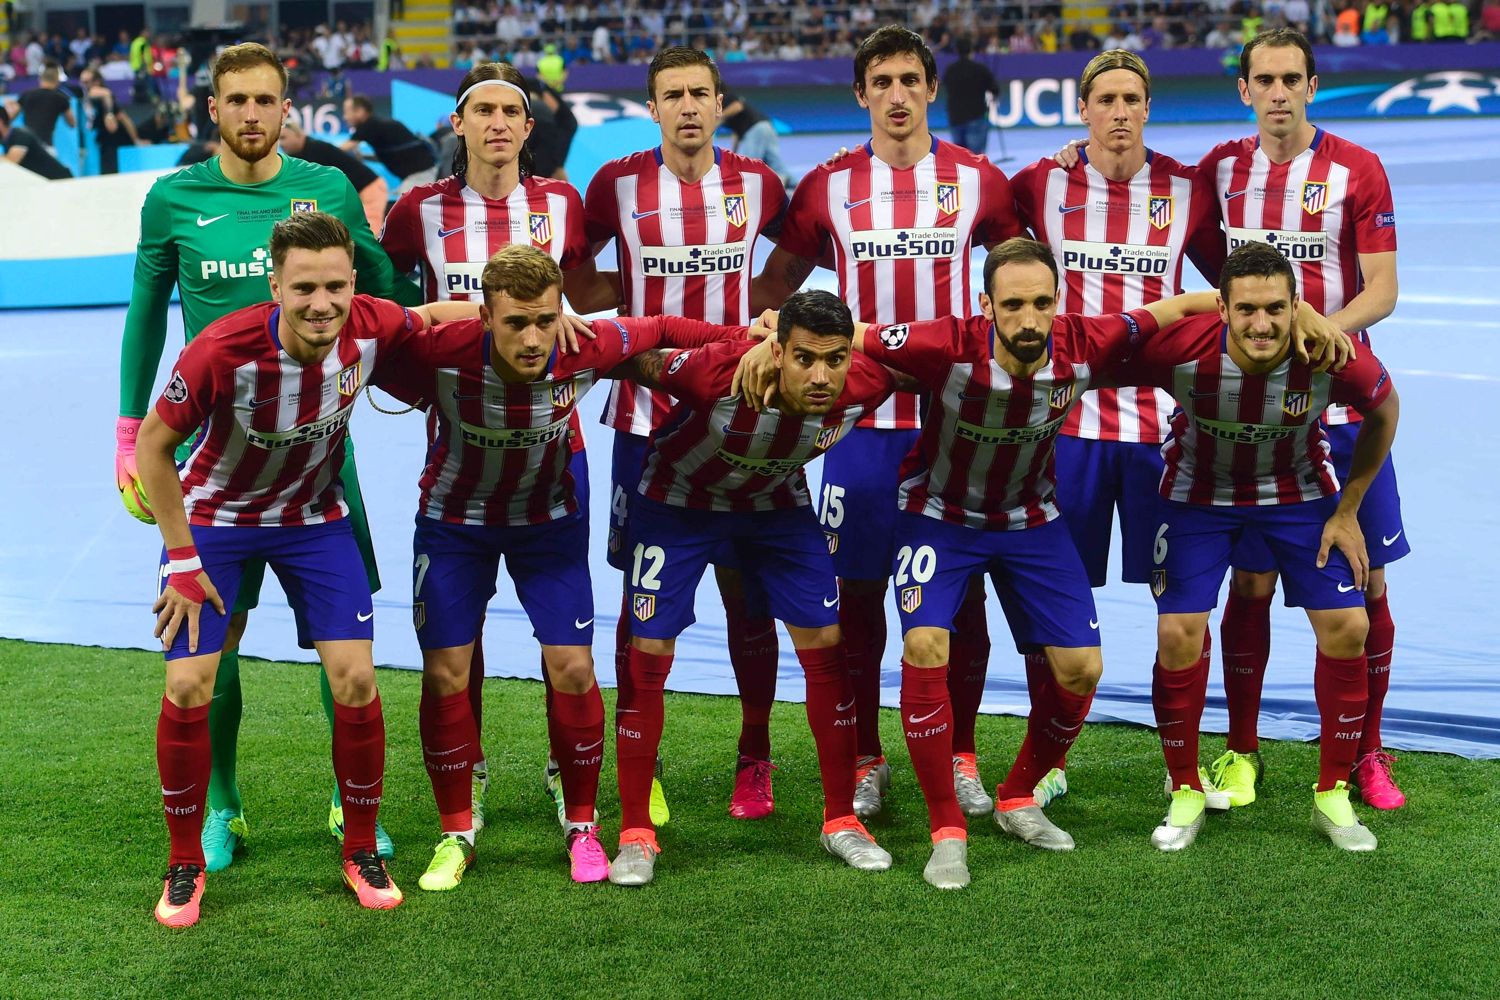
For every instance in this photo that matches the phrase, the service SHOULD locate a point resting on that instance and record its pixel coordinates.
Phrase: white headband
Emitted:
(525, 100)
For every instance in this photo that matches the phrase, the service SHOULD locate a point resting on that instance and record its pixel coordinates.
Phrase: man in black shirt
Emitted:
(968, 85)
(404, 154)
(44, 104)
(374, 193)
(24, 147)
(755, 136)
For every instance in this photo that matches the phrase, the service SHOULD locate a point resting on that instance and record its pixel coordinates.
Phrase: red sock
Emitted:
(638, 726)
(183, 760)
(1245, 635)
(1379, 645)
(830, 714)
(476, 687)
(1178, 697)
(1038, 677)
(862, 621)
(1340, 689)
(968, 660)
(359, 766)
(578, 748)
(927, 720)
(1054, 723)
(450, 745)
(753, 654)
(622, 651)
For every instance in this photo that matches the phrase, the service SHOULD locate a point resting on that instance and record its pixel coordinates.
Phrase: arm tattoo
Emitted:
(796, 271)
(645, 368)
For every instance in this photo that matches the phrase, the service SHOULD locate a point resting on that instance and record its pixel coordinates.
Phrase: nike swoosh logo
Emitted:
(1345, 588)
(1093, 623)
(914, 720)
(1231, 195)
(583, 749)
(350, 784)
(364, 618)
(256, 404)
(828, 604)
(460, 396)
(443, 234)
(850, 206)
(1195, 394)
(208, 222)
(644, 215)
(1069, 209)
(844, 707)
(1066, 729)
(1350, 718)
(1392, 540)
(627, 711)
(442, 753)
(1164, 725)
(579, 624)
(167, 791)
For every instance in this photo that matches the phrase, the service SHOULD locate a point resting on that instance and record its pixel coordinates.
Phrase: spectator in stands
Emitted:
(1489, 22)
(755, 136)
(1082, 38)
(44, 104)
(553, 131)
(111, 127)
(1157, 34)
(374, 192)
(36, 57)
(1450, 21)
(26, 149)
(79, 47)
(969, 86)
(404, 154)
(1346, 25)
(551, 69)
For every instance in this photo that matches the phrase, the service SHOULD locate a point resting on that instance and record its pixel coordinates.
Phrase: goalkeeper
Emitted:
(205, 228)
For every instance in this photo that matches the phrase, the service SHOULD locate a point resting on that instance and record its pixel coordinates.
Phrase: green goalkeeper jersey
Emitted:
(209, 236)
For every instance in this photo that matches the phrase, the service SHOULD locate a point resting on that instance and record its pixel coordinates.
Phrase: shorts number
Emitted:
(423, 564)
(1159, 550)
(619, 505)
(922, 564)
(833, 506)
(649, 580)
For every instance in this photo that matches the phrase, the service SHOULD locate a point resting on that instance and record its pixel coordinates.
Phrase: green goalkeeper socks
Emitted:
(224, 732)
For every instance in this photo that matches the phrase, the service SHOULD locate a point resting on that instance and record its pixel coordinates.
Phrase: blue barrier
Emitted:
(162, 156)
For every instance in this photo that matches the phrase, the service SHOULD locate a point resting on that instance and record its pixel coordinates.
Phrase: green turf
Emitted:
(1259, 906)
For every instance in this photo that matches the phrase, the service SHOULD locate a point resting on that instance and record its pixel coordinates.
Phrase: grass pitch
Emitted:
(1260, 906)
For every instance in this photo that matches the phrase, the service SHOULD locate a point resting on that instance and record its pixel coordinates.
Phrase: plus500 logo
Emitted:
(677, 262)
(1294, 246)
(1115, 258)
(257, 267)
(903, 244)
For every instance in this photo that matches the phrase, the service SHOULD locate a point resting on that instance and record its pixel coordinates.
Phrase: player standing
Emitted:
(718, 474)
(901, 215)
(1326, 204)
(1248, 454)
(1120, 220)
(272, 387)
(204, 229)
(449, 229)
(685, 217)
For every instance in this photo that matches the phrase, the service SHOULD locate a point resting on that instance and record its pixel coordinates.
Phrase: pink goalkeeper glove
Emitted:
(132, 493)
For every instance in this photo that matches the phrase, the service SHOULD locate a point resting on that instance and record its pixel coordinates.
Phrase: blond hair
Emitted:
(1113, 59)
(520, 271)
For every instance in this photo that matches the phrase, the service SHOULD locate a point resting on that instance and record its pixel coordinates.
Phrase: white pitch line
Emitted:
(1460, 376)
(1448, 300)
(1466, 324)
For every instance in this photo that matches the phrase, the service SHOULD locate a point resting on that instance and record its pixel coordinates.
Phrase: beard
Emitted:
(253, 153)
(1027, 346)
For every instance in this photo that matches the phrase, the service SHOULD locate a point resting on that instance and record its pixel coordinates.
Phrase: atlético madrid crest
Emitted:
(644, 606)
(827, 436)
(833, 541)
(1294, 402)
(1060, 397)
(541, 228)
(304, 204)
(734, 209)
(1314, 196)
(418, 614)
(911, 598)
(1159, 208)
(1158, 582)
(947, 198)
(349, 379)
(563, 393)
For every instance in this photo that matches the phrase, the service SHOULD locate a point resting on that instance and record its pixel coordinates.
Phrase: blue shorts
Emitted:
(1196, 541)
(454, 570)
(627, 464)
(319, 566)
(782, 554)
(858, 505)
(1038, 577)
(1379, 514)
(1094, 478)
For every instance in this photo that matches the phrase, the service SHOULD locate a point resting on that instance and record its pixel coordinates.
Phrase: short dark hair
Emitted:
(1017, 250)
(819, 312)
(246, 55)
(892, 40)
(363, 103)
(308, 231)
(1278, 38)
(964, 46)
(679, 57)
(1256, 260)
(4, 115)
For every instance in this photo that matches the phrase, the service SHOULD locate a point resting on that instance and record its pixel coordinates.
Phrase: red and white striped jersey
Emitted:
(500, 455)
(1120, 245)
(450, 231)
(1322, 209)
(1247, 440)
(985, 458)
(901, 239)
(273, 429)
(684, 249)
(716, 453)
